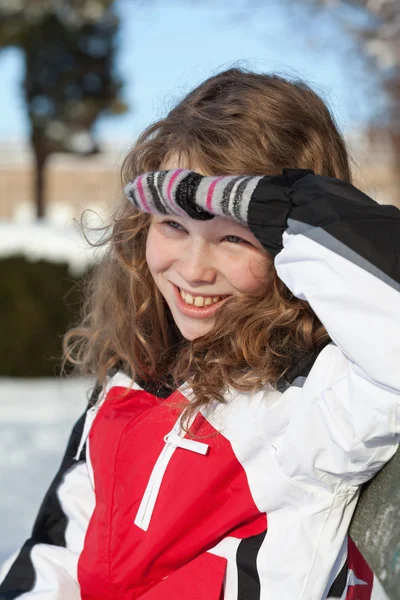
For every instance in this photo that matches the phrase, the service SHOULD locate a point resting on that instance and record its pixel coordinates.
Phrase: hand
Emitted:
(185, 193)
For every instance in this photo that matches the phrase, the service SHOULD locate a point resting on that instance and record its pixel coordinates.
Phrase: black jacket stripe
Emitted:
(338, 586)
(328, 241)
(21, 576)
(299, 369)
(246, 559)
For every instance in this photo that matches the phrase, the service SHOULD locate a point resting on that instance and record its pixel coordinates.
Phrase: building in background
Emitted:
(74, 184)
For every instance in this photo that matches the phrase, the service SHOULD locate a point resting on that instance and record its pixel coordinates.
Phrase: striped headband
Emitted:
(184, 193)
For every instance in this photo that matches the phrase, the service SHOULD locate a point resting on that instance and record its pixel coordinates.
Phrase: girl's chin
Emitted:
(192, 331)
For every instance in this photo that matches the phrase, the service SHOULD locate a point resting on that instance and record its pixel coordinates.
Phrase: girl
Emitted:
(244, 330)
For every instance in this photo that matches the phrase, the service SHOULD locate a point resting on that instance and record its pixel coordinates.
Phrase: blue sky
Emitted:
(168, 47)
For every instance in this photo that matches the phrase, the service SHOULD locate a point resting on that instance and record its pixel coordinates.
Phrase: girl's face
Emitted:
(196, 265)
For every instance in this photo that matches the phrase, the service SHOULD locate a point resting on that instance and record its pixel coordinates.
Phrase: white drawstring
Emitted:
(185, 443)
(90, 415)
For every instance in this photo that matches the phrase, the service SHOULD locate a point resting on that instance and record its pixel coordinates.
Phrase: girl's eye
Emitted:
(237, 238)
(233, 238)
(172, 224)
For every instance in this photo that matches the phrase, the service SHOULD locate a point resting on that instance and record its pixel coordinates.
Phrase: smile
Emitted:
(199, 300)
(197, 307)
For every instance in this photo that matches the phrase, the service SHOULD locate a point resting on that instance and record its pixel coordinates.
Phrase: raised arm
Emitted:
(340, 251)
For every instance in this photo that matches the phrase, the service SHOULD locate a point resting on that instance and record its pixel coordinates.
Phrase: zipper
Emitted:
(90, 417)
(173, 440)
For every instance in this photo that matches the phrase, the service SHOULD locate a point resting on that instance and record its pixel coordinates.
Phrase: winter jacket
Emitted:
(258, 503)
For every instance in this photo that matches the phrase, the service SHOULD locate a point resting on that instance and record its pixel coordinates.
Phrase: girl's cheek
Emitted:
(153, 255)
(250, 275)
(159, 251)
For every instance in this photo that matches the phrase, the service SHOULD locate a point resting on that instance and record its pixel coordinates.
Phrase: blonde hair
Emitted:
(236, 122)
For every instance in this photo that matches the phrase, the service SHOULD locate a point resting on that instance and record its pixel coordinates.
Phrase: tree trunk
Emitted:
(376, 526)
(39, 188)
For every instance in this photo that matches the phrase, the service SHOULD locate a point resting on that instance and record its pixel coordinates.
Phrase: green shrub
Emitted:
(39, 301)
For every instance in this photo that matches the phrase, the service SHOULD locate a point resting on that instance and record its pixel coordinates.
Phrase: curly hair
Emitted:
(236, 122)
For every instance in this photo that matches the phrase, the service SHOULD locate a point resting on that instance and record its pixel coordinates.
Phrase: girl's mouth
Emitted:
(198, 307)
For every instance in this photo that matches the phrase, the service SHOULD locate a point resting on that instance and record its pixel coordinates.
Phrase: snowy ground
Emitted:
(36, 416)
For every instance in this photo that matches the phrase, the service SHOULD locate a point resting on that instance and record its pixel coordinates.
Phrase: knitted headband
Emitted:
(185, 193)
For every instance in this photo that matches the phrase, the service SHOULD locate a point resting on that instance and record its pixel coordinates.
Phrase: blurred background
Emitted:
(79, 81)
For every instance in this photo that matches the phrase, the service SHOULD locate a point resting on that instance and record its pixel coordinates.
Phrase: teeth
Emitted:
(199, 300)
(188, 298)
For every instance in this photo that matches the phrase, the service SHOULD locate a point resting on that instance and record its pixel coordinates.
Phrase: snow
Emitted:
(44, 240)
(36, 418)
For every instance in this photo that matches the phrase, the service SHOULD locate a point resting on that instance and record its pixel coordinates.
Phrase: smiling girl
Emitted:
(220, 266)
(243, 327)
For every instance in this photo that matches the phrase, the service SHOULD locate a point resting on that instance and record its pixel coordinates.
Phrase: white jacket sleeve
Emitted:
(340, 251)
(45, 568)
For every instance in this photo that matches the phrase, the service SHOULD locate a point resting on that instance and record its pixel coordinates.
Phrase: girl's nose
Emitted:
(197, 267)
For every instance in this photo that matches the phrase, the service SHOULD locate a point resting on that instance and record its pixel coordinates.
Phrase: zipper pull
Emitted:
(90, 416)
(176, 440)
